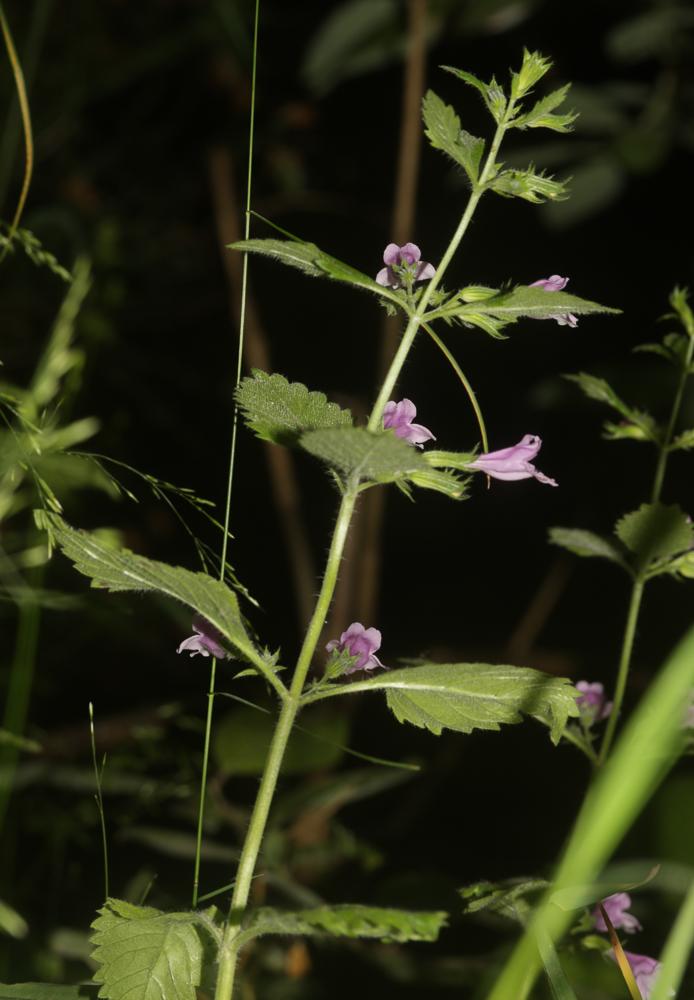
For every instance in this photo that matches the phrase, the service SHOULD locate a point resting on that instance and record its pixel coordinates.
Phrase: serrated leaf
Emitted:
(683, 441)
(536, 303)
(122, 570)
(463, 697)
(586, 543)
(445, 133)
(655, 531)
(349, 920)
(492, 94)
(540, 115)
(526, 184)
(640, 426)
(533, 68)
(144, 954)
(310, 259)
(354, 451)
(679, 300)
(281, 411)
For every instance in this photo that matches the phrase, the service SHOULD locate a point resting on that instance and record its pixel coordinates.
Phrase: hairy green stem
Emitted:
(228, 953)
(624, 664)
(640, 582)
(290, 708)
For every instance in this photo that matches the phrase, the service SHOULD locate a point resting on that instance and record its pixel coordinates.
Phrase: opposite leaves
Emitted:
(120, 569)
(281, 411)
(144, 954)
(655, 533)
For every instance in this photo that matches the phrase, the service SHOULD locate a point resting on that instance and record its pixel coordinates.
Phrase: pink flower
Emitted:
(207, 640)
(399, 416)
(513, 463)
(592, 704)
(645, 971)
(403, 266)
(616, 907)
(556, 284)
(361, 642)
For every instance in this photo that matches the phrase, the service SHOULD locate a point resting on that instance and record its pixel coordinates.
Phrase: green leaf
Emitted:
(540, 115)
(307, 257)
(281, 411)
(639, 424)
(533, 68)
(492, 94)
(121, 570)
(46, 991)
(449, 459)
(507, 898)
(655, 531)
(10, 921)
(144, 954)
(354, 38)
(679, 300)
(529, 186)
(463, 697)
(683, 441)
(441, 481)
(349, 920)
(354, 451)
(586, 543)
(535, 303)
(444, 132)
(33, 248)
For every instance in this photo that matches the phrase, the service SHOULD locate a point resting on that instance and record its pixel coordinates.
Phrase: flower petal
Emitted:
(409, 253)
(425, 271)
(391, 254)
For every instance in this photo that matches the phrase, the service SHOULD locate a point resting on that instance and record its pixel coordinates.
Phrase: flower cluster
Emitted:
(644, 967)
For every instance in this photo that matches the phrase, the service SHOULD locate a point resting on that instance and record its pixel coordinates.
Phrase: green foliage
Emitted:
(492, 94)
(673, 348)
(281, 411)
(307, 257)
(683, 441)
(365, 455)
(46, 991)
(638, 425)
(144, 954)
(536, 303)
(348, 920)
(242, 738)
(354, 38)
(679, 300)
(529, 186)
(533, 68)
(463, 697)
(655, 532)
(441, 481)
(540, 115)
(449, 459)
(10, 921)
(586, 543)
(31, 245)
(121, 570)
(444, 132)
(506, 898)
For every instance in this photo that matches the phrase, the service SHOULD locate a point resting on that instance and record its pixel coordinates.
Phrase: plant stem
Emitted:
(292, 703)
(290, 708)
(624, 664)
(416, 318)
(676, 406)
(640, 582)
(26, 125)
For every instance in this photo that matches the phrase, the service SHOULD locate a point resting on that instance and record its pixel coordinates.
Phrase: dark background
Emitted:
(128, 101)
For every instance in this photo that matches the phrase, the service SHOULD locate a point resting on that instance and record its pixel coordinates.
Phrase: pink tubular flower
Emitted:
(361, 642)
(399, 416)
(592, 704)
(513, 463)
(401, 263)
(616, 907)
(645, 971)
(556, 283)
(206, 641)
